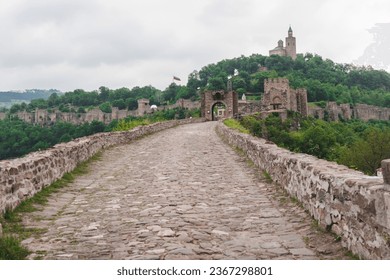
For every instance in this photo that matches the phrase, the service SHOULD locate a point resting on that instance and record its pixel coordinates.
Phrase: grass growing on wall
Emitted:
(124, 125)
(232, 123)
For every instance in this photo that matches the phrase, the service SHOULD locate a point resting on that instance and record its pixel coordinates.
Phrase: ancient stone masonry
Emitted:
(2, 115)
(386, 173)
(278, 96)
(354, 206)
(44, 117)
(23, 177)
(289, 50)
(363, 112)
(210, 99)
(368, 112)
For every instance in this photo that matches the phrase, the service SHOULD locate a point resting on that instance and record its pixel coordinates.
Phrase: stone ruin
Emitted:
(335, 112)
(46, 117)
(278, 97)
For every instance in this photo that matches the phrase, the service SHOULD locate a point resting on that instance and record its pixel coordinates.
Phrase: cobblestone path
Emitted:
(177, 194)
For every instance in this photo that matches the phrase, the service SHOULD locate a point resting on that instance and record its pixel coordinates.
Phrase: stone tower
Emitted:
(291, 48)
(143, 106)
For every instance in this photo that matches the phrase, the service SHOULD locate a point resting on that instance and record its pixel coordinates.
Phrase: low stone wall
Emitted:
(354, 206)
(23, 177)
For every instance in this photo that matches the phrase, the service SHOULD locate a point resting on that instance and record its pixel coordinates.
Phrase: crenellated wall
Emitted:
(21, 178)
(354, 206)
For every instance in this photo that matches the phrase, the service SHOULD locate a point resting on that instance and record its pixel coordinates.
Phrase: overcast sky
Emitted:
(70, 44)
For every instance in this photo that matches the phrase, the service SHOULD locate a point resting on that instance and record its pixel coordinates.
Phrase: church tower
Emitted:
(291, 48)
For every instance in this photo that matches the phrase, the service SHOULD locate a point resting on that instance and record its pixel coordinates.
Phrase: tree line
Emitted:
(79, 101)
(324, 80)
(354, 143)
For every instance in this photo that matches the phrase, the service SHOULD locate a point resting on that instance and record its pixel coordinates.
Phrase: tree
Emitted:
(106, 107)
(216, 83)
(131, 103)
(171, 92)
(119, 103)
(366, 154)
(319, 140)
(104, 93)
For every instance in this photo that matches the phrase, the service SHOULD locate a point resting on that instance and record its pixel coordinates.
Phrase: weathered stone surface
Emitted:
(21, 178)
(386, 171)
(356, 206)
(187, 185)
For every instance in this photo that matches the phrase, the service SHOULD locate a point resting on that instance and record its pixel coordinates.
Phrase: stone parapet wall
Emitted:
(354, 206)
(21, 178)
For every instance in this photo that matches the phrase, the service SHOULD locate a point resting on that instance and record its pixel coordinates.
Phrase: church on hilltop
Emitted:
(289, 50)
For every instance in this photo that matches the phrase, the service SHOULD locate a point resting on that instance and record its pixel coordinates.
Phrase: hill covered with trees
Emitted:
(324, 80)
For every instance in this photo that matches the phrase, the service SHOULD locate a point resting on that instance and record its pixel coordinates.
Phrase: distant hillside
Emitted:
(11, 97)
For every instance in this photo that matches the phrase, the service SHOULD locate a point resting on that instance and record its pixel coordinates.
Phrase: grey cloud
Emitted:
(87, 43)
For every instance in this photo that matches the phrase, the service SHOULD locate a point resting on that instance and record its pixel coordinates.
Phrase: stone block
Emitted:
(386, 172)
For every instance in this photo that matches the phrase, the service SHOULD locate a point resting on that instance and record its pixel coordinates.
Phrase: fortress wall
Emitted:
(21, 178)
(354, 206)
(359, 111)
(367, 112)
(249, 107)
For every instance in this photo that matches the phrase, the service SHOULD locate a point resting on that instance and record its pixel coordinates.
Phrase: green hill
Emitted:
(324, 80)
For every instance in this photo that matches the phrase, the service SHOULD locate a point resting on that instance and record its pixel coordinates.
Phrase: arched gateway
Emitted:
(219, 104)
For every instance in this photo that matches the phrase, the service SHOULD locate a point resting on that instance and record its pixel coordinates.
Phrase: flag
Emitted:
(176, 78)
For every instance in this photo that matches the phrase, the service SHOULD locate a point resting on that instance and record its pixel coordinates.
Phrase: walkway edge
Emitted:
(354, 206)
(21, 178)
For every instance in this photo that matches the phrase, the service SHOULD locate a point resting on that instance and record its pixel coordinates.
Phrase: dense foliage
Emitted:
(123, 98)
(357, 144)
(18, 138)
(323, 79)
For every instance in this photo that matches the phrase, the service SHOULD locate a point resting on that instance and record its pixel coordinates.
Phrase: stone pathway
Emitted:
(177, 194)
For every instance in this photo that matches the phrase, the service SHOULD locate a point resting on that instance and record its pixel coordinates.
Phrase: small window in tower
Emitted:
(288, 44)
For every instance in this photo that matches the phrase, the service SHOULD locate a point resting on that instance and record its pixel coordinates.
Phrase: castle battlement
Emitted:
(276, 81)
(279, 96)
